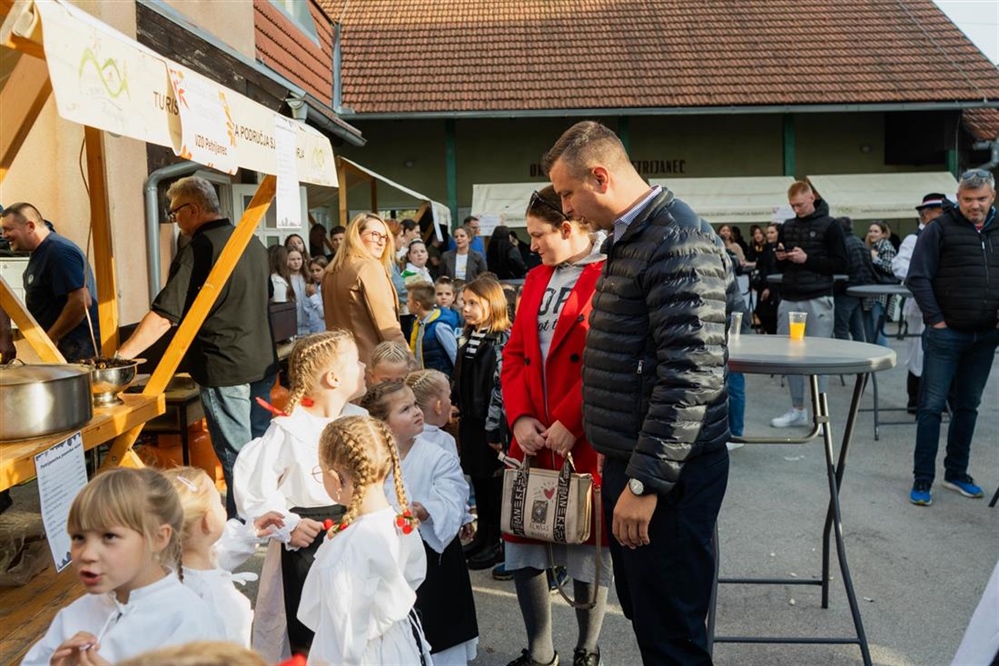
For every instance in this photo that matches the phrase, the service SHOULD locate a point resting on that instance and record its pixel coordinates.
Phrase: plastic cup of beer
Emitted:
(796, 325)
(735, 325)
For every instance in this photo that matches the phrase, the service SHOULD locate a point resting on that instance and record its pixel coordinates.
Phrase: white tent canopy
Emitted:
(749, 200)
(503, 203)
(880, 196)
(718, 200)
(441, 213)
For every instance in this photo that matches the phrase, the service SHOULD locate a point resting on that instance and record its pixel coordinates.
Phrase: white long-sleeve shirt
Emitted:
(158, 615)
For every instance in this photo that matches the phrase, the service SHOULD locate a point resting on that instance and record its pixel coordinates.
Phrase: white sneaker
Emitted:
(732, 446)
(793, 417)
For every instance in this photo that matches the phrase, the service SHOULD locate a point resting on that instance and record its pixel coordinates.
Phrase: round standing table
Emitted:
(811, 357)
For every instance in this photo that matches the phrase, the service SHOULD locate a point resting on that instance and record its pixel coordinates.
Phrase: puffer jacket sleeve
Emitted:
(686, 287)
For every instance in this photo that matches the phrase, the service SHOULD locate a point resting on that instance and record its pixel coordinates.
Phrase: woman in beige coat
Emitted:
(357, 292)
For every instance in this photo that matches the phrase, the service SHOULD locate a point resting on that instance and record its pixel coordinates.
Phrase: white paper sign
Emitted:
(61, 473)
(289, 206)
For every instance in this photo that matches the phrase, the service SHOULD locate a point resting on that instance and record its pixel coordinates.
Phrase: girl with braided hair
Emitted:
(125, 528)
(274, 473)
(439, 492)
(359, 594)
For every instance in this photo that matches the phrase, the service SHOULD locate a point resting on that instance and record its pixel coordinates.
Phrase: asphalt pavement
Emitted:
(918, 571)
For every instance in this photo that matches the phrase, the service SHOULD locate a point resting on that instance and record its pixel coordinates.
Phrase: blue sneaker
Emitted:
(556, 577)
(965, 485)
(920, 493)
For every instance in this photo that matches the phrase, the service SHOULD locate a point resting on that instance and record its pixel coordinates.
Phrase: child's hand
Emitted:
(419, 511)
(92, 658)
(68, 653)
(467, 532)
(303, 535)
(455, 412)
(264, 523)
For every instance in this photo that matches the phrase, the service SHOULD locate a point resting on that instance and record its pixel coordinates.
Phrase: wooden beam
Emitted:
(341, 177)
(120, 452)
(21, 100)
(36, 336)
(100, 223)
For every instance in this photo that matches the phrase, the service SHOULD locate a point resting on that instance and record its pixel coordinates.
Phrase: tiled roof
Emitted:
(983, 124)
(282, 46)
(440, 56)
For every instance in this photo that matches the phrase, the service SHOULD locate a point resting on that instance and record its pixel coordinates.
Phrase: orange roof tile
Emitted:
(282, 46)
(443, 56)
(983, 124)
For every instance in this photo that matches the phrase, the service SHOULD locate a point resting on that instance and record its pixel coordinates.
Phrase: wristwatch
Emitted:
(636, 487)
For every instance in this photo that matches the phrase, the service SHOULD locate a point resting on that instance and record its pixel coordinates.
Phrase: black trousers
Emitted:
(295, 565)
(665, 587)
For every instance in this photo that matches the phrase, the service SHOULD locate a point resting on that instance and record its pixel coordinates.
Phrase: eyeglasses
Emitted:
(375, 236)
(972, 174)
(536, 199)
(172, 213)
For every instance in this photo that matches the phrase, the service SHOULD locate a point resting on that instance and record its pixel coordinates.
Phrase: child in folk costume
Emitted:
(390, 360)
(125, 529)
(433, 394)
(482, 429)
(276, 473)
(213, 547)
(359, 594)
(439, 495)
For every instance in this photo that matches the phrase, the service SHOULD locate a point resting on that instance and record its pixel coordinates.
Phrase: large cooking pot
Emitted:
(40, 399)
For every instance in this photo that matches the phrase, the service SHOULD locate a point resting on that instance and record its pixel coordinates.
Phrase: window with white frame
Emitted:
(300, 12)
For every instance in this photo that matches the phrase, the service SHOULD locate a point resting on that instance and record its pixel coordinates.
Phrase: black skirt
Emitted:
(445, 601)
(295, 565)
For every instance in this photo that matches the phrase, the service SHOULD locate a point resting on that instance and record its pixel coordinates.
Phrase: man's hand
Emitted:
(559, 439)
(530, 434)
(303, 535)
(632, 515)
(796, 256)
(941, 324)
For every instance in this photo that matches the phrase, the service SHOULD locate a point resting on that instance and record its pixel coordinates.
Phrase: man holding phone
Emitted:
(811, 249)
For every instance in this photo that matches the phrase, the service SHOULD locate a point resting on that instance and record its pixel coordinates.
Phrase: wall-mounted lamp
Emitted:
(299, 110)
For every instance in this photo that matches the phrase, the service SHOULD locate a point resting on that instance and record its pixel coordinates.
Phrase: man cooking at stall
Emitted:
(58, 283)
(232, 357)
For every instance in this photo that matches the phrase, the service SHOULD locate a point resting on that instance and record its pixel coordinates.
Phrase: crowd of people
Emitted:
(417, 373)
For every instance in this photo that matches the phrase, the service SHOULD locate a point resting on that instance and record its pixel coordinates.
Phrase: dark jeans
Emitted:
(958, 360)
(665, 587)
(234, 418)
(736, 403)
(849, 319)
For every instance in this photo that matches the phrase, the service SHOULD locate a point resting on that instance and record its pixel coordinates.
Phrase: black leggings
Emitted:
(488, 500)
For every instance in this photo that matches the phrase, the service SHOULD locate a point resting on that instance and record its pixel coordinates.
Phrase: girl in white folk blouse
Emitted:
(125, 528)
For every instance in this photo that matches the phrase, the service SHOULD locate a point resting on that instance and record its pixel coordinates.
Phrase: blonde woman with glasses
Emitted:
(357, 290)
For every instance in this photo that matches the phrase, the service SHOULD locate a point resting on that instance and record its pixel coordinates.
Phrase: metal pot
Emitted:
(40, 399)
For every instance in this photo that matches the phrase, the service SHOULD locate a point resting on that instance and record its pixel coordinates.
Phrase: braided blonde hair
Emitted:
(197, 494)
(312, 356)
(364, 448)
(428, 386)
(392, 351)
(138, 499)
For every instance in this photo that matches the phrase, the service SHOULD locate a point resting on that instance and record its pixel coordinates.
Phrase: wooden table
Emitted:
(17, 458)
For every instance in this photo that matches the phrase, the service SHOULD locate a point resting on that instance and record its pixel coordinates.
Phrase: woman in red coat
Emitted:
(541, 382)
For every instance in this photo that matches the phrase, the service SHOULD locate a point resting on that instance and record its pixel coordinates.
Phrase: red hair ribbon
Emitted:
(270, 408)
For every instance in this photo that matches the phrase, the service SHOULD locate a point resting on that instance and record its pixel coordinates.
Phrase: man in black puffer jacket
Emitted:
(654, 399)
(954, 277)
(810, 251)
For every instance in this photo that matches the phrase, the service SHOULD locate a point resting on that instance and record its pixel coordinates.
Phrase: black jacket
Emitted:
(954, 272)
(821, 237)
(654, 364)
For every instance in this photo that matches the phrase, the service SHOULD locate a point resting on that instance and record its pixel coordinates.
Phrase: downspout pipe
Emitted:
(994, 147)
(152, 198)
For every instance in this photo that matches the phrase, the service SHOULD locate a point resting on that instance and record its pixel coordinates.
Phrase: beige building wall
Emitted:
(47, 169)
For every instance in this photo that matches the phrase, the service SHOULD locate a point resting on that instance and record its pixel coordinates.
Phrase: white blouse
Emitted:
(158, 615)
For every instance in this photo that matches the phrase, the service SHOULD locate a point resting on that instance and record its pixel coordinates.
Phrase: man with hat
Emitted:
(930, 209)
